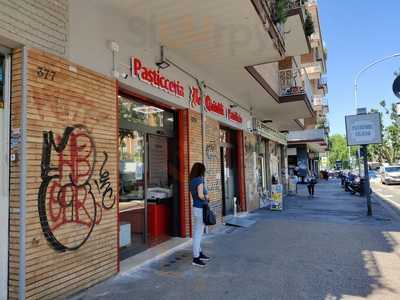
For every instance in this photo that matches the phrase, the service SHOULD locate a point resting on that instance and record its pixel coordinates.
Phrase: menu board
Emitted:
(158, 161)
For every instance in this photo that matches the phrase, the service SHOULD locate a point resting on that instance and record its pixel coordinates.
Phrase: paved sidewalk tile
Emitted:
(317, 248)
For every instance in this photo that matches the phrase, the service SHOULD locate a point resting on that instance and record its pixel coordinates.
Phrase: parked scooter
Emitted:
(356, 186)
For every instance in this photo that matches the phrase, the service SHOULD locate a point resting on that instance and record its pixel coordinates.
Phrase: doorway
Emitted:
(149, 198)
(5, 71)
(228, 170)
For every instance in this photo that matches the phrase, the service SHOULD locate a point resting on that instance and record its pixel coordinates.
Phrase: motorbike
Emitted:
(356, 186)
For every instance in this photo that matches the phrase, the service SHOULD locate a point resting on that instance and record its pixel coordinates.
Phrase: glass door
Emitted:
(133, 203)
(149, 210)
(228, 170)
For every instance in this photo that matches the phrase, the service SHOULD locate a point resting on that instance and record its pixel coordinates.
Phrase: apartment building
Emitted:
(306, 145)
(106, 105)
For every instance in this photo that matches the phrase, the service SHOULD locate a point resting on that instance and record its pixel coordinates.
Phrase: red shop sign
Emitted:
(213, 106)
(155, 78)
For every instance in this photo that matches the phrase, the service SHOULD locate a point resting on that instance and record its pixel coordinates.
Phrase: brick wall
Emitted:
(286, 63)
(71, 215)
(213, 164)
(39, 23)
(253, 201)
(307, 58)
(213, 160)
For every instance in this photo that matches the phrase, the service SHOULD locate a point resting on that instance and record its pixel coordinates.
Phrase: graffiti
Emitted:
(211, 151)
(66, 200)
(104, 186)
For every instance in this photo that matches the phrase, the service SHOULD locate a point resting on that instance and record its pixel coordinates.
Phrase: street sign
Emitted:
(396, 86)
(398, 108)
(364, 129)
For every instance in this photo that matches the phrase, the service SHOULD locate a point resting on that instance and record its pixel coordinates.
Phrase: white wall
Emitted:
(93, 26)
(4, 186)
(39, 23)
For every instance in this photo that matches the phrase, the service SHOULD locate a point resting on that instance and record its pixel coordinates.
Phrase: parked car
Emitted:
(390, 174)
(373, 176)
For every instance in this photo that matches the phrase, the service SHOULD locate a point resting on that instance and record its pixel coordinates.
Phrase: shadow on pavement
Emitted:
(317, 248)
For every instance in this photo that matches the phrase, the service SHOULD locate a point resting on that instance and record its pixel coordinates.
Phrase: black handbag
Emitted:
(208, 216)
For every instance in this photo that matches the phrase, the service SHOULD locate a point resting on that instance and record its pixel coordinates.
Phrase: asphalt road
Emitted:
(390, 193)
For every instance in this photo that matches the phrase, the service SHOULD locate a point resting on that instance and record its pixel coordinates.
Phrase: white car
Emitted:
(390, 174)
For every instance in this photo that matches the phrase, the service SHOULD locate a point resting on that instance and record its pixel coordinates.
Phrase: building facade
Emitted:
(105, 106)
(307, 145)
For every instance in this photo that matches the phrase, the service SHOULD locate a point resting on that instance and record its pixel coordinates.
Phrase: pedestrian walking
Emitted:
(311, 181)
(199, 196)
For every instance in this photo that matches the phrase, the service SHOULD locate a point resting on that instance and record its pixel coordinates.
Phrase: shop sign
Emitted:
(155, 78)
(213, 106)
(271, 134)
(364, 129)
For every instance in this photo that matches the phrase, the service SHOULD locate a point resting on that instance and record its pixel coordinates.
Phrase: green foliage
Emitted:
(389, 151)
(281, 11)
(339, 151)
(309, 24)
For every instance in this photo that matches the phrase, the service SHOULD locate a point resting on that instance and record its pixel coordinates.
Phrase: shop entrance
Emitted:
(5, 67)
(228, 170)
(149, 199)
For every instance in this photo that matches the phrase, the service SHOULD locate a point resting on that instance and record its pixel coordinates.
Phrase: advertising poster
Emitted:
(277, 197)
(292, 184)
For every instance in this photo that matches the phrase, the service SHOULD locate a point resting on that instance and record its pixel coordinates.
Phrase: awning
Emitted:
(270, 133)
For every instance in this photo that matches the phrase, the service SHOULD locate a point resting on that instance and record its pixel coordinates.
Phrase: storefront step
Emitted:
(155, 253)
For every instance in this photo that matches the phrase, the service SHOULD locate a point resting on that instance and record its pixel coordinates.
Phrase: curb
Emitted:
(391, 206)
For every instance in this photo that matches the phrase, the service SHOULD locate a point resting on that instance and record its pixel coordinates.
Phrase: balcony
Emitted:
(323, 85)
(313, 69)
(294, 85)
(320, 104)
(314, 138)
(265, 11)
(297, 43)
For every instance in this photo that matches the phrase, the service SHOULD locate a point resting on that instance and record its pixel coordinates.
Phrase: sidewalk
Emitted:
(317, 248)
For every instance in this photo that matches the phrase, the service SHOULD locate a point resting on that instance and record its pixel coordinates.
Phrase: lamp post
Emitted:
(365, 69)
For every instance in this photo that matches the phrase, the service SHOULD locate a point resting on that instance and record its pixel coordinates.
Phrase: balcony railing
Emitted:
(313, 67)
(323, 83)
(293, 4)
(294, 82)
(264, 9)
(320, 100)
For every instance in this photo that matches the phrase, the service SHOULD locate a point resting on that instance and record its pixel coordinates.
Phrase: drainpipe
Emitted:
(23, 174)
(200, 85)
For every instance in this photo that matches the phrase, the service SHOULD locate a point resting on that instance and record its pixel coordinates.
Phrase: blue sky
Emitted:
(357, 32)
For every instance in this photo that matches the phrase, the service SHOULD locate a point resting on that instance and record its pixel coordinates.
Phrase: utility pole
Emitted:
(366, 180)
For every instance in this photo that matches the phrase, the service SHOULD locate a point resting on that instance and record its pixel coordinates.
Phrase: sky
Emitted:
(356, 33)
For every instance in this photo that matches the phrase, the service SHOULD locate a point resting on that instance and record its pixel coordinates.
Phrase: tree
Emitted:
(339, 151)
(389, 151)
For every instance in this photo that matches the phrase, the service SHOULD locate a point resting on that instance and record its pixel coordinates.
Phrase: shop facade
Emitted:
(266, 164)
(105, 125)
(101, 170)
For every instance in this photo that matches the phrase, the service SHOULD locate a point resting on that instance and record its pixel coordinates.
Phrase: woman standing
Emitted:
(199, 195)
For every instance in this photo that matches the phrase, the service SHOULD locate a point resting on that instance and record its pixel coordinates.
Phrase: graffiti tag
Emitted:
(66, 200)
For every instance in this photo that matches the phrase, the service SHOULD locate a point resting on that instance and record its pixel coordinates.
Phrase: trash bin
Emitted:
(362, 187)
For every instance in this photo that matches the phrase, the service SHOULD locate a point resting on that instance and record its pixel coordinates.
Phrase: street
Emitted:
(317, 248)
(391, 193)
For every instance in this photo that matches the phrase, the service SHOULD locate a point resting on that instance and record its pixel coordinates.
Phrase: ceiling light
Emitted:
(148, 109)
(162, 63)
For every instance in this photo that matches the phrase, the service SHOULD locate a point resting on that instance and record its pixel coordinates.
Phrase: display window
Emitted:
(148, 151)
